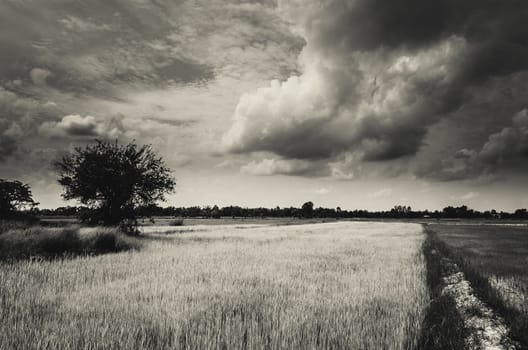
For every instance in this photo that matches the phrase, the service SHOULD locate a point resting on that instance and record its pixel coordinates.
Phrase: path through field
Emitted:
(338, 285)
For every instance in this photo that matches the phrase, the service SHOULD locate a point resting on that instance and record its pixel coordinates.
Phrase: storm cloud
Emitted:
(377, 77)
(349, 95)
(506, 145)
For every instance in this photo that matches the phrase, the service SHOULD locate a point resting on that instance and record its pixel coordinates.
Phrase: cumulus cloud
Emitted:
(280, 167)
(378, 76)
(78, 126)
(507, 144)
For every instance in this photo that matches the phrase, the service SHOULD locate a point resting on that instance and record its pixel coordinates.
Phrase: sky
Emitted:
(354, 103)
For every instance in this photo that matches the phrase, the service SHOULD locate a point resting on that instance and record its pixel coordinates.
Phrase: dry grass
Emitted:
(341, 286)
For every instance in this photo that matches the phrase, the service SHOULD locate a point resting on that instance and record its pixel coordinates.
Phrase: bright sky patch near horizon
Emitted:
(357, 104)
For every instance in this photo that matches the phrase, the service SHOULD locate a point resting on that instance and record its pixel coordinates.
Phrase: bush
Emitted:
(176, 222)
(38, 241)
(107, 240)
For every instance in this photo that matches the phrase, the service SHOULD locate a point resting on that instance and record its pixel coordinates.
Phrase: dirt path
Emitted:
(486, 329)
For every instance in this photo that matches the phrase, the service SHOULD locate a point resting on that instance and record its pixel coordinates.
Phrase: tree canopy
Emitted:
(14, 197)
(114, 180)
(307, 209)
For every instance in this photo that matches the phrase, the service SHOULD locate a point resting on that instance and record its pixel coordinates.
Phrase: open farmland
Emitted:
(338, 285)
(494, 260)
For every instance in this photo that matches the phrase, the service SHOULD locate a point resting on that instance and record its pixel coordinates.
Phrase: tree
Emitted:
(114, 181)
(215, 212)
(14, 197)
(307, 210)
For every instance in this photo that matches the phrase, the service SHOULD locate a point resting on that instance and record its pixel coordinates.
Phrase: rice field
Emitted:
(337, 285)
(495, 258)
(498, 252)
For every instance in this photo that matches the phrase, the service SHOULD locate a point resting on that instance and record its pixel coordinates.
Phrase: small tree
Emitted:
(307, 210)
(113, 181)
(14, 197)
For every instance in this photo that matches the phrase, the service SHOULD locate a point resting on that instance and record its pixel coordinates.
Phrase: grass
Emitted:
(176, 222)
(6, 225)
(44, 242)
(443, 327)
(55, 221)
(494, 260)
(340, 286)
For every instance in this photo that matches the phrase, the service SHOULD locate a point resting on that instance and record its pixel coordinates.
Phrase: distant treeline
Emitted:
(306, 211)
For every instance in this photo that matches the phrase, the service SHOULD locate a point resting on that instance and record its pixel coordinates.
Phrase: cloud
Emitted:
(82, 25)
(19, 116)
(274, 166)
(507, 144)
(85, 127)
(179, 63)
(173, 122)
(96, 49)
(377, 77)
(39, 76)
(381, 193)
(163, 72)
(8, 143)
(322, 191)
(469, 195)
(76, 125)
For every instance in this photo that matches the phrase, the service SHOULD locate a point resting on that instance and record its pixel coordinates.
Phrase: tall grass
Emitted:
(37, 241)
(340, 286)
(7, 225)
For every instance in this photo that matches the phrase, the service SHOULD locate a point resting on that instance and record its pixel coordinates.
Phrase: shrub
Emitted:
(176, 222)
(108, 239)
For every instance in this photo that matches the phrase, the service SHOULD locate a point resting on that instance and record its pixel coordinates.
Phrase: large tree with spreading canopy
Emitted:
(114, 180)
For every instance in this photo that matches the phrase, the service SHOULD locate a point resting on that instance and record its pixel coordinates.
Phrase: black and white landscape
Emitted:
(263, 174)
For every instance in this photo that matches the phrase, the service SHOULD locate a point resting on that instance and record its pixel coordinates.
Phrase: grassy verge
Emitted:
(37, 241)
(474, 271)
(443, 327)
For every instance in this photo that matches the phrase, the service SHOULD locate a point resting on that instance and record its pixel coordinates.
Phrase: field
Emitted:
(336, 285)
(494, 258)
(166, 221)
